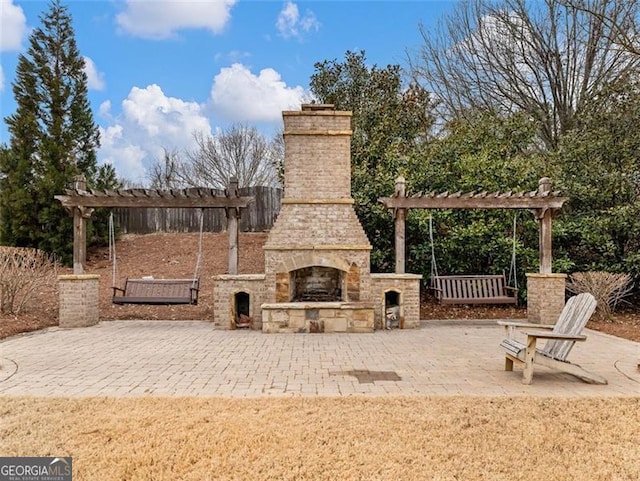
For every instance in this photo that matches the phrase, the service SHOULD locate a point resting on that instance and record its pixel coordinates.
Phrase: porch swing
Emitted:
(148, 290)
(474, 289)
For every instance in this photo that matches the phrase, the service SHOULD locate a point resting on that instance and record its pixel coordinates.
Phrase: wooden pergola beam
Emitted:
(490, 201)
(126, 199)
(81, 202)
(544, 203)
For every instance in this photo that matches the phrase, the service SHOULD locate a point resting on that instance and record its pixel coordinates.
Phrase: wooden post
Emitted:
(544, 219)
(399, 222)
(529, 358)
(79, 231)
(232, 227)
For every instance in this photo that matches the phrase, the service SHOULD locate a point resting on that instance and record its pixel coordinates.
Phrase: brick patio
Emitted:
(191, 358)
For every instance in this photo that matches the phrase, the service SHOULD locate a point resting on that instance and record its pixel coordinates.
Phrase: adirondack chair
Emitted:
(560, 340)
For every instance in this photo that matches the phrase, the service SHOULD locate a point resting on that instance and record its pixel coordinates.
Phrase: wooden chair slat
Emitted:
(573, 319)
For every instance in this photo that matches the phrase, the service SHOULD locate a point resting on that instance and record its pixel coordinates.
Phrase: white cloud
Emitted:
(95, 79)
(105, 109)
(239, 95)
(150, 122)
(13, 26)
(161, 18)
(290, 24)
(126, 158)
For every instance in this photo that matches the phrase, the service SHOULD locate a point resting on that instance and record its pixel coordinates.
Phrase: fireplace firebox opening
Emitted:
(392, 310)
(242, 308)
(317, 284)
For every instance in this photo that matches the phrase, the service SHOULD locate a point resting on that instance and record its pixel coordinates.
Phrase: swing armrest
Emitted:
(512, 289)
(116, 290)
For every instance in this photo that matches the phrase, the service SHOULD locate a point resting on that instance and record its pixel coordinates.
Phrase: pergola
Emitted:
(81, 203)
(543, 203)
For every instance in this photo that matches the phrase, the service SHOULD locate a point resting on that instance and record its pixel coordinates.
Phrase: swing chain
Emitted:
(434, 267)
(112, 250)
(513, 275)
(199, 256)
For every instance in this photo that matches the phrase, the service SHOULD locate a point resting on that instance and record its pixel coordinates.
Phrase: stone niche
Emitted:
(236, 296)
(397, 299)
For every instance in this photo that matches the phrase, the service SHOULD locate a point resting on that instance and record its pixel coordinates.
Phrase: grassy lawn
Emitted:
(443, 438)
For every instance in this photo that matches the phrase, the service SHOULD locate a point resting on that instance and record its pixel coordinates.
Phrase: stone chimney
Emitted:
(317, 227)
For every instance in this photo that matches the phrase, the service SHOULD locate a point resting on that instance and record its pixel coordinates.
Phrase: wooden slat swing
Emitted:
(474, 289)
(148, 290)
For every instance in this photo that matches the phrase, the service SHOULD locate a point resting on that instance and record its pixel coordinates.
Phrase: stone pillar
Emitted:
(545, 297)
(78, 300)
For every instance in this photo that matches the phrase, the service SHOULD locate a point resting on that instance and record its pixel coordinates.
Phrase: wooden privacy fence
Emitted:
(258, 216)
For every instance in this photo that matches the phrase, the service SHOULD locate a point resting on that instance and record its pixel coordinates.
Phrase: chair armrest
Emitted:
(511, 326)
(523, 324)
(554, 335)
(117, 289)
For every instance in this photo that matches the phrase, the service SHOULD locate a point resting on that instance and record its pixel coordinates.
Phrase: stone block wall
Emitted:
(298, 317)
(225, 287)
(545, 297)
(408, 288)
(79, 296)
(317, 154)
(308, 223)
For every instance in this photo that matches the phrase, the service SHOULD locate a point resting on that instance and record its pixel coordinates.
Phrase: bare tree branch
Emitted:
(165, 174)
(239, 151)
(547, 58)
(621, 26)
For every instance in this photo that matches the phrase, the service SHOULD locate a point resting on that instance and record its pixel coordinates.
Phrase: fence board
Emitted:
(259, 216)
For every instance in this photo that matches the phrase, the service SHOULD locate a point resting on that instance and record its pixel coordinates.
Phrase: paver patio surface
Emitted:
(191, 358)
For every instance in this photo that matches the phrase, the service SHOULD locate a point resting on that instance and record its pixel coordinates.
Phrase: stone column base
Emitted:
(79, 296)
(545, 297)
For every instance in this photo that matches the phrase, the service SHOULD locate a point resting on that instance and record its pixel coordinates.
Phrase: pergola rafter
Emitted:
(148, 198)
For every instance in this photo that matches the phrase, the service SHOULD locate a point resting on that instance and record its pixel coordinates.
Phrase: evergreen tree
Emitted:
(53, 138)
(390, 122)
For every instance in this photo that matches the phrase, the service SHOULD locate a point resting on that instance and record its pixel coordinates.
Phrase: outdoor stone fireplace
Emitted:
(316, 284)
(317, 269)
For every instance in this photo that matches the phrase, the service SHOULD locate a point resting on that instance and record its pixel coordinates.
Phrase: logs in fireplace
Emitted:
(316, 284)
(318, 295)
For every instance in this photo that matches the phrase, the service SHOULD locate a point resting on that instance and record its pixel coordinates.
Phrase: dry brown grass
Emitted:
(457, 438)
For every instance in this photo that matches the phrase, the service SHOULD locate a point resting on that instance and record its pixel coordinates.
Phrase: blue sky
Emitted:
(160, 70)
